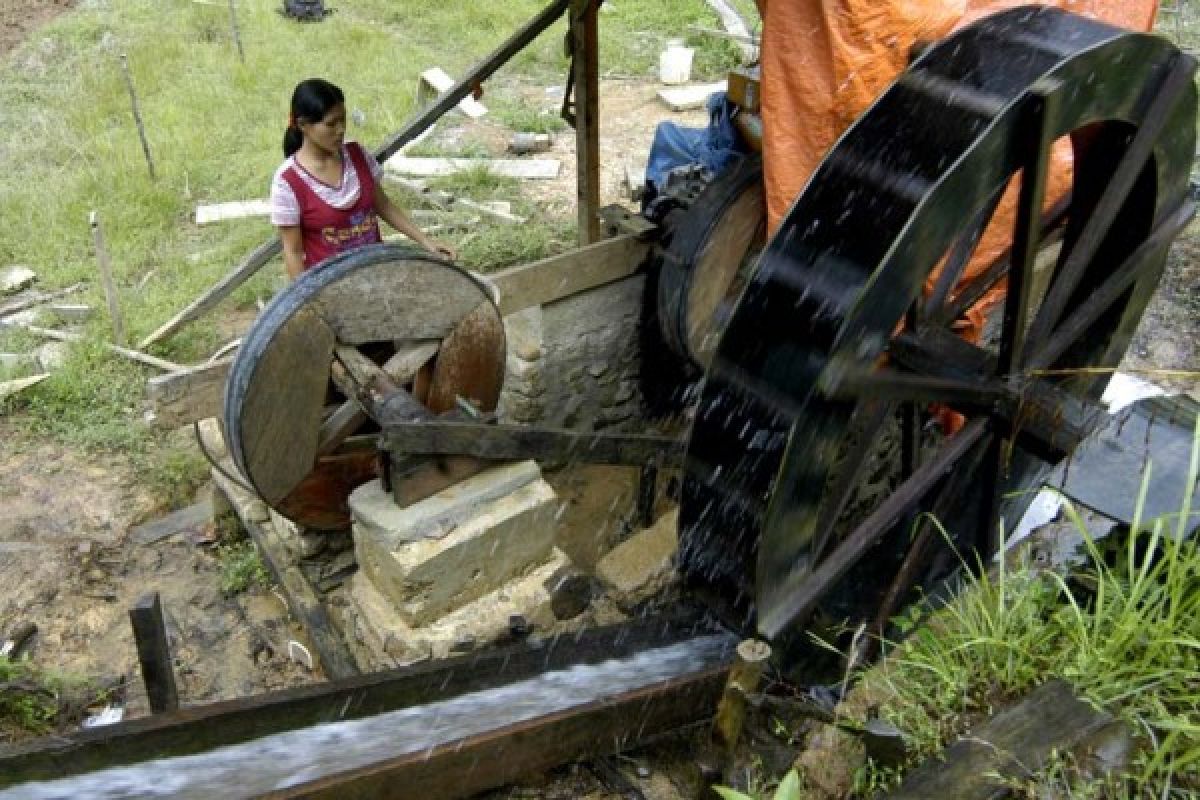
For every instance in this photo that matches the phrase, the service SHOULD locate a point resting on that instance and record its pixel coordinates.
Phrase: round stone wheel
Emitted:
(382, 299)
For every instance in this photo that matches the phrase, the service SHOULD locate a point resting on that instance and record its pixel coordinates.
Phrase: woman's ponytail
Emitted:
(311, 101)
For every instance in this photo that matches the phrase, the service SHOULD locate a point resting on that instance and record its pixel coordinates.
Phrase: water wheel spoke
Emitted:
(895, 385)
(959, 256)
(1110, 291)
(868, 421)
(1041, 121)
(1166, 95)
(793, 598)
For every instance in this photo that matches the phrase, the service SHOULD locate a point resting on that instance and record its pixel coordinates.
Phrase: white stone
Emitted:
(643, 564)
(390, 641)
(15, 278)
(53, 355)
(483, 543)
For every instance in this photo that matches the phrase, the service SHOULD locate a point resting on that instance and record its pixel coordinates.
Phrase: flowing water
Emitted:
(296, 757)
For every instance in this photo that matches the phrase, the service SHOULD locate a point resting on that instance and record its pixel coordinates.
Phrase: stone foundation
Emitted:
(574, 363)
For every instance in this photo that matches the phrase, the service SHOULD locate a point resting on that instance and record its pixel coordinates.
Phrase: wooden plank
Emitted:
(104, 264)
(434, 82)
(687, 98)
(451, 202)
(201, 728)
(20, 304)
(412, 299)
(428, 167)
(505, 442)
(469, 82)
(281, 412)
(563, 275)
(189, 518)
(189, 395)
(132, 355)
(585, 60)
(345, 420)
(154, 653)
(237, 209)
(8, 388)
(302, 599)
(1009, 747)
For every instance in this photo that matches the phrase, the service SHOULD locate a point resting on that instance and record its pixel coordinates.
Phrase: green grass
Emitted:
(241, 567)
(34, 700)
(1124, 632)
(214, 127)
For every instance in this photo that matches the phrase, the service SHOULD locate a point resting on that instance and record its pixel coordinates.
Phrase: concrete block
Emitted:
(643, 564)
(386, 639)
(301, 543)
(376, 514)
(486, 539)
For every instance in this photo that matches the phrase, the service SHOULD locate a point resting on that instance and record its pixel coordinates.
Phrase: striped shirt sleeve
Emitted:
(285, 209)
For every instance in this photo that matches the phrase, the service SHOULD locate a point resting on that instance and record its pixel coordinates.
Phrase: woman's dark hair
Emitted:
(311, 101)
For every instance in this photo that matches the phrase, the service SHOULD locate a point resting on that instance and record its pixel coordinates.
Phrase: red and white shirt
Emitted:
(332, 219)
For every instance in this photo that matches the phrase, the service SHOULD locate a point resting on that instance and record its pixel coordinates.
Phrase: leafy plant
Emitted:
(788, 789)
(241, 567)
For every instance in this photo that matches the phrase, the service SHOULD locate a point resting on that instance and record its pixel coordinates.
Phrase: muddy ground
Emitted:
(68, 564)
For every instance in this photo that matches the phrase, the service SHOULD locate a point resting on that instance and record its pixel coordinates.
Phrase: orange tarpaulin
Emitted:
(825, 61)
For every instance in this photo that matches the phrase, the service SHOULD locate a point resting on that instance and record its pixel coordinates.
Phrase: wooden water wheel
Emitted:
(813, 367)
(293, 432)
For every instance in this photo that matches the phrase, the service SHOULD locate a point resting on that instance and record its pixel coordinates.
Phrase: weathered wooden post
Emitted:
(106, 280)
(154, 653)
(237, 34)
(137, 114)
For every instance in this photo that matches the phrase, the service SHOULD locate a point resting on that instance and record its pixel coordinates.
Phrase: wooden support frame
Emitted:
(585, 64)
(154, 653)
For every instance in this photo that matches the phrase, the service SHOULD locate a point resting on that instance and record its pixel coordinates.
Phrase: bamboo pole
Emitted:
(137, 114)
(106, 280)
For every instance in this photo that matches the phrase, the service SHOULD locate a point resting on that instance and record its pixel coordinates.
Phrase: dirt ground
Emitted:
(19, 17)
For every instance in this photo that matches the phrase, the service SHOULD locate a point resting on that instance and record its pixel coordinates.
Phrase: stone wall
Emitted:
(574, 363)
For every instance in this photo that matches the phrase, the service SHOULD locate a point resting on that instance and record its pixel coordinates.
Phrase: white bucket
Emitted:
(675, 62)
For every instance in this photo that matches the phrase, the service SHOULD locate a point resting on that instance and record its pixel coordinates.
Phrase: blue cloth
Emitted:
(713, 147)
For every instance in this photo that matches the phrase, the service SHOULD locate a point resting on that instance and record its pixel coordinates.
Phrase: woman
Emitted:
(327, 195)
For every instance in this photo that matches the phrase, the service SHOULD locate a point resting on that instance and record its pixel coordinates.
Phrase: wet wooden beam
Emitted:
(201, 728)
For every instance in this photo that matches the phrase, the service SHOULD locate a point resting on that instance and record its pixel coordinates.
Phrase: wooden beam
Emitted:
(563, 275)
(154, 653)
(586, 63)
(302, 599)
(467, 85)
(132, 355)
(200, 728)
(515, 442)
(188, 396)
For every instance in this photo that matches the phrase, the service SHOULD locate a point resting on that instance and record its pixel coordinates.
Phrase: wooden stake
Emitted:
(752, 657)
(237, 35)
(106, 280)
(133, 355)
(154, 653)
(137, 115)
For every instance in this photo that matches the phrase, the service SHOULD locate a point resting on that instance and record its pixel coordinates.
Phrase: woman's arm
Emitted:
(389, 211)
(293, 249)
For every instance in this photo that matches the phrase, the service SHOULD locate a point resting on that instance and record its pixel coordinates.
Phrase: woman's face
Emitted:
(329, 132)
